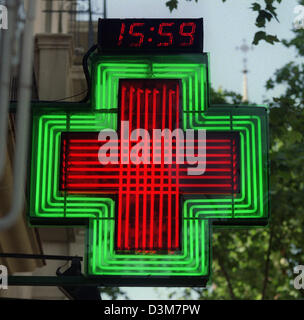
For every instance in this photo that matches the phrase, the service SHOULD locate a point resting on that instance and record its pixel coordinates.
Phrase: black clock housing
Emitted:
(150, 35)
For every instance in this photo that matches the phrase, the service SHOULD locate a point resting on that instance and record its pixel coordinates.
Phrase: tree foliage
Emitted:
(259, 263)
(113, 293)
(265, 13)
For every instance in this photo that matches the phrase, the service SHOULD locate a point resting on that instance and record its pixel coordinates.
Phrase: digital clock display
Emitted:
(150, 35)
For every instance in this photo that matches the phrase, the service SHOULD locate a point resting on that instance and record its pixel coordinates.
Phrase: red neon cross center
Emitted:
(148, 215)
(151, 191)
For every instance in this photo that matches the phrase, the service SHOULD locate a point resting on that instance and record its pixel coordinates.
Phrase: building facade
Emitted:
(60, 43)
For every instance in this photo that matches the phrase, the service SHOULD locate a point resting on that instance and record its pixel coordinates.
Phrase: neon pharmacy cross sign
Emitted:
(149, 224)
(148, 214)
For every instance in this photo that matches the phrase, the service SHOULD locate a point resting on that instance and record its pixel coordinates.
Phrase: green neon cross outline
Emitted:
(249, 207)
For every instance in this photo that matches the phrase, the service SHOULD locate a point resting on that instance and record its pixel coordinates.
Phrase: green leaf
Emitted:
(272, 10)
(172, 4)
(262, 17)
(272, 39)
(261, 35)
(256, 6)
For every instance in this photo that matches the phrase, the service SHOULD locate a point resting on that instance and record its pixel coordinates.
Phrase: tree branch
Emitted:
(227, 277)
(267, 265)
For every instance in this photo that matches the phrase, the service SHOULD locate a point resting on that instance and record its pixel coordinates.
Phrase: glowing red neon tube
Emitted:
(148, 210)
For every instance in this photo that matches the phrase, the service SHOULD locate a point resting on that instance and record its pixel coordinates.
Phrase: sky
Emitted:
(225, 27)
